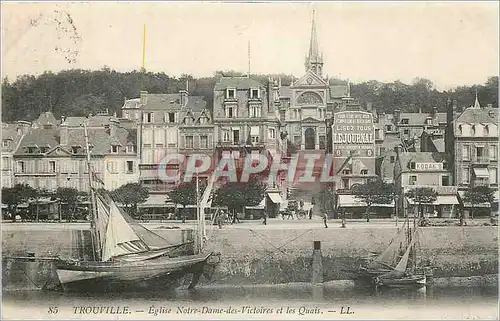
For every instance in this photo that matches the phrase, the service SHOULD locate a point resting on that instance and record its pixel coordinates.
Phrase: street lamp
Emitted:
(396, 198)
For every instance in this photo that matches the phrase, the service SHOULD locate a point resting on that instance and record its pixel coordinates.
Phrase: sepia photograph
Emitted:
(196, 160)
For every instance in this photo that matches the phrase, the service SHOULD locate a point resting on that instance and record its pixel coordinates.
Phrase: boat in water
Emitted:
(126, 255)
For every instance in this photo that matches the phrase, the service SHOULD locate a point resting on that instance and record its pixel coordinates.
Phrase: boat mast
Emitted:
(93, 214)
(198, 214)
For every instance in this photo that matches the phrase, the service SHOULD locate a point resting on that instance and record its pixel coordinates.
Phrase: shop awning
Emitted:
(440, 200)
(261, 205)
(275, 197)
(481, 172)
(352, 201)
(156, 200)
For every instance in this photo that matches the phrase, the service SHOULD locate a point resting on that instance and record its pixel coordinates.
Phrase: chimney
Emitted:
(63, 133)
(184, 97)
(113, 126)
(397, 115)
(144, 97)
(369, 106)
(419, 110)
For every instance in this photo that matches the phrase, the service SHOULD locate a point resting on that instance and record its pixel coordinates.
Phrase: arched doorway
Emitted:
(310, 138)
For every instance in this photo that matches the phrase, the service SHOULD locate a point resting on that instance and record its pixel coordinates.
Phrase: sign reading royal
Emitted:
(353, 131)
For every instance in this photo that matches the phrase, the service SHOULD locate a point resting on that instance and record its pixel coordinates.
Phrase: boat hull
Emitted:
(413, 281)
(161, 273)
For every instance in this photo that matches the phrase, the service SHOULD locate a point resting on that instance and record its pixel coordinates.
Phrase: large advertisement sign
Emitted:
(353, 134)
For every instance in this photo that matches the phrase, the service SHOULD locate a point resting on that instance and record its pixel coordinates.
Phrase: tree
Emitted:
(374, 191)
(185, 194)
(68, 196)
(236, 195)
(422, 195)
(40, 192)
(13, 196)
(478, 195)
(131, 195)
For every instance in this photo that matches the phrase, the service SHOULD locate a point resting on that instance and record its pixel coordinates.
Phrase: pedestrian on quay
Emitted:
(325, 218)
(235, 217)
(220, 217)
(265, 219)
(313, 202)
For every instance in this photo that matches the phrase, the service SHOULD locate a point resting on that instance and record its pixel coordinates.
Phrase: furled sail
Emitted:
(120, 237)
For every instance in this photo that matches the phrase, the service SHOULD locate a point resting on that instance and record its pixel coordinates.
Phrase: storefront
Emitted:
(356, 208)
(273, 201)
(446, 204)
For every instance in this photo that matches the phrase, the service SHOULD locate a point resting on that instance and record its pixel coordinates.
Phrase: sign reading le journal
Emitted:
(353, 131)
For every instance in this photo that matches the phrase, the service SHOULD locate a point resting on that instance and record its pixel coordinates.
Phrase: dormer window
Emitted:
(203, 120)
(486, 130)
(459, 129)
(226, 136)
(364, 172)
(188, 120)
(405, 121)
(230, 93)
(473, 130)
(254, 93)
(130, 149)
(428, 121)
(114, 149)
(6, 143)
(32, 149)
(43, 150)
(75, 149)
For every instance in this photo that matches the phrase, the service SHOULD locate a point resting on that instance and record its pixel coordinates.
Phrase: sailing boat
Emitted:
(126, 254)
(400, 276)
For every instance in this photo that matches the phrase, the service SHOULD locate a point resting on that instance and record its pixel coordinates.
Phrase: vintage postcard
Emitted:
(232, 160)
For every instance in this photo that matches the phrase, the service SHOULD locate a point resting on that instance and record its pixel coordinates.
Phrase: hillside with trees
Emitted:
(79, 92)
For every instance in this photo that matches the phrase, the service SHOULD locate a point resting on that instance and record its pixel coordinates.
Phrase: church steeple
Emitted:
(314, 61)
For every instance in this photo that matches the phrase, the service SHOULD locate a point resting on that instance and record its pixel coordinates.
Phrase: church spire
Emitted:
(476, 103)
(314, 61)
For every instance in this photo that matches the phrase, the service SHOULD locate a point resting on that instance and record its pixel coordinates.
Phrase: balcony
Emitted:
(480, 160)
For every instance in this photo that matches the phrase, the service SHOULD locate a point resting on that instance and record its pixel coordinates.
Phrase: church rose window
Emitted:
(309, 98)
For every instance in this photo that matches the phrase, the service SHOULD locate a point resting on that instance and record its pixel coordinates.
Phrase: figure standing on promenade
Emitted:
(325, 218)
(313, 202)
(235, 217)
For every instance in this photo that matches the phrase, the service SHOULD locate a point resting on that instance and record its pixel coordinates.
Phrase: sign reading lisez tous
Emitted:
(353, 131)
(429, 166)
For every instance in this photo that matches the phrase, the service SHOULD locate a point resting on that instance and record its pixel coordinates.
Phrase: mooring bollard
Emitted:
(317, 264)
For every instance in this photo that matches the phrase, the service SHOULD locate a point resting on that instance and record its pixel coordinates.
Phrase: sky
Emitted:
(450, 43)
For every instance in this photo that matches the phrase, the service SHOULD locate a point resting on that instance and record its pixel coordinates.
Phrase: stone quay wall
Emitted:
(264, 255)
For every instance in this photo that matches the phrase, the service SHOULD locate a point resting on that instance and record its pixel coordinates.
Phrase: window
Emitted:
(406, 131)
(204, 141)
(347, 171)
(5, 163)
(255, 139)
(393, 159)
(388, 128)
(493, 152)
(130, 149)
(230, 93)
(189, 141)
(52, 166)
(147, 117)
(189, 120)
(480, 153)
(412, 165)
(465, 176)
(412, 180)
(230, 112)
(445, 180)
(203, 120)
(130, 166)
(322, 141)
(43, 150)
(493, 175)
(272, 133)
(225, 136)
(75, 149)
(21, 167)
(32, 150)
(377, 133)
(236, 136)
(126, 115)
(254, 93)
(465, 152)
(114, 149)
(364, 172)
(486, 130)
(459, 130)
(5, 143)
(254, 111)
(171, 117)
(405, 121)
(473, 130)
(428, 121)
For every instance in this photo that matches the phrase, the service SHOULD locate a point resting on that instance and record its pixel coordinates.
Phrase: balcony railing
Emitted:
(481, 160)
